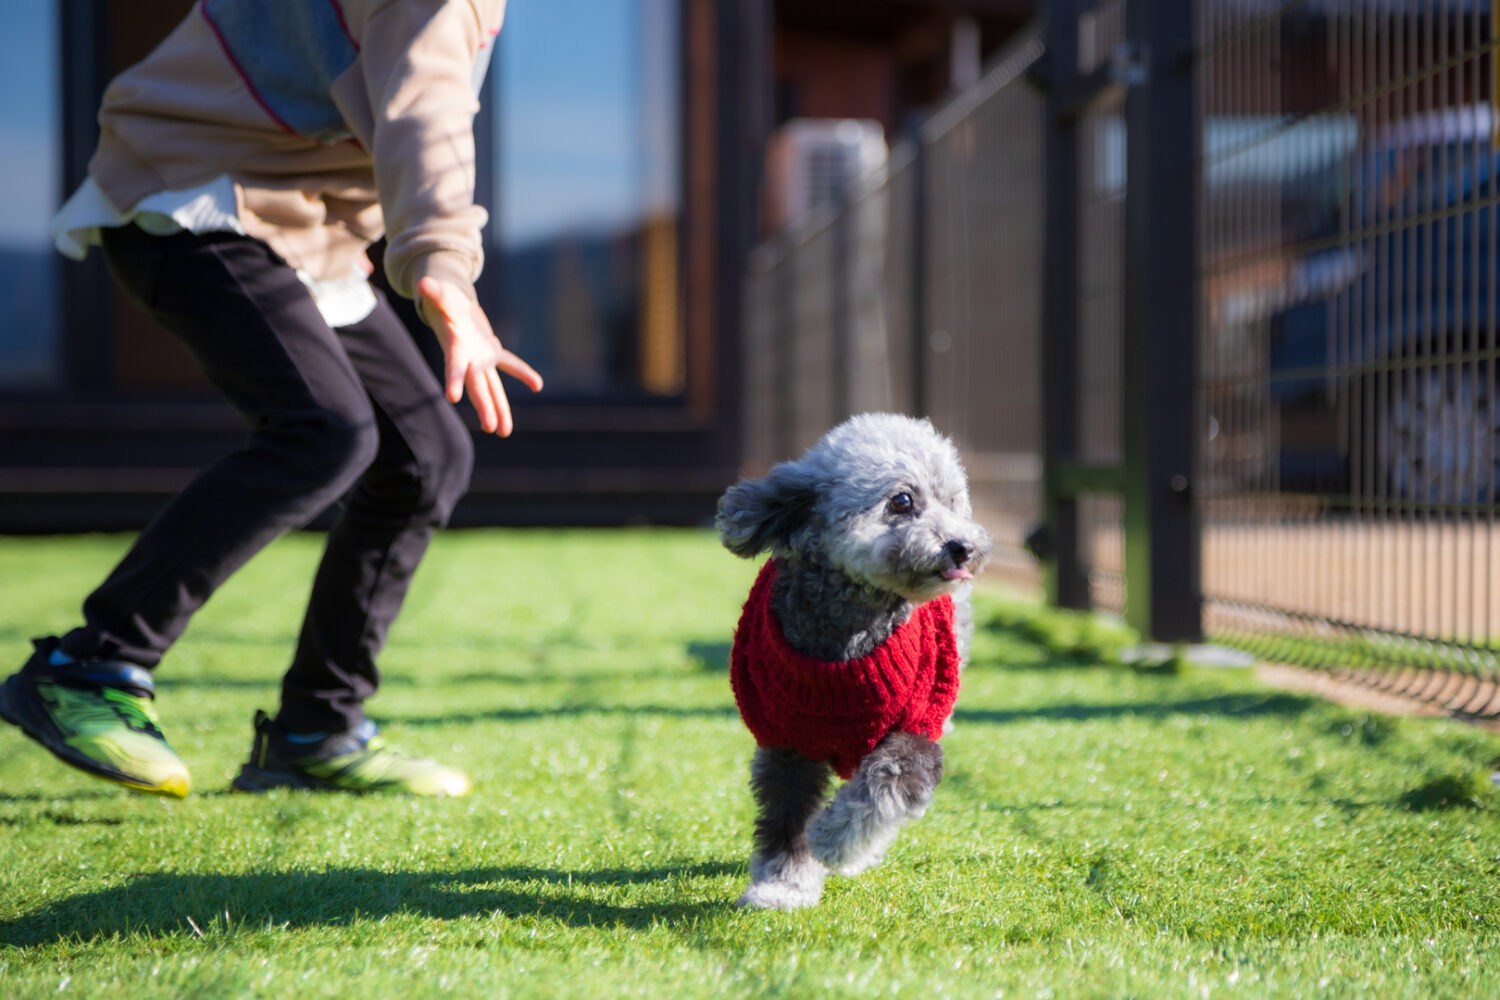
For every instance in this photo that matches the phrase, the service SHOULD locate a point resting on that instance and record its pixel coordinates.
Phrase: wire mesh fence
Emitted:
(1350, 464)
(1100, 282)
(1347, 470)
(920, 293)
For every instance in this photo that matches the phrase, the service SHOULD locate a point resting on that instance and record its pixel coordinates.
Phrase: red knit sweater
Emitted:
(838, 711)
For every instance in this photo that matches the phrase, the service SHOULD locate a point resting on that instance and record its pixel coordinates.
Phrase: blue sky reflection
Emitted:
(586, 116)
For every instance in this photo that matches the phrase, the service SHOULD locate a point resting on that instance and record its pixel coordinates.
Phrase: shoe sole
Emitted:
(38, 726)
(259, 779)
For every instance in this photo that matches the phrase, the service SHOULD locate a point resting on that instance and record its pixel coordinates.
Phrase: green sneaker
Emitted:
(95, 715)
(354, 761)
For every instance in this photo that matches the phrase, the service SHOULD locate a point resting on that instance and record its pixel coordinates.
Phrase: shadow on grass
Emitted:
(1018, 810)
(168, 904)
(707, 657)
(530, 714)
(553, 675)
(270, 682)
(100, 790)
(1241, 705)
(57, 817)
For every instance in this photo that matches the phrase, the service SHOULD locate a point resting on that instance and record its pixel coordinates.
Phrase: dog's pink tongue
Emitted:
(957, 573)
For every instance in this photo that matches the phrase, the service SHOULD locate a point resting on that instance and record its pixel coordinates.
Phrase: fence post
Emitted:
(1161, 300)
(917, 268)
(783, 347)
(841, 308)
(1067, 583)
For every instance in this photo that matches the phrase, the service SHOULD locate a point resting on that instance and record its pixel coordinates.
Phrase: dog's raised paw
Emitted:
(831, 836)
(857, 865)
(896, 795)
(847, 840)
(842, 860)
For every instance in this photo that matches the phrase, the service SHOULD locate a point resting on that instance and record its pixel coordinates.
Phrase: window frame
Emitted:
(623, 409)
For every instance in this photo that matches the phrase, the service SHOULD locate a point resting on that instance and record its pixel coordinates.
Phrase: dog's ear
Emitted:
(759, 514)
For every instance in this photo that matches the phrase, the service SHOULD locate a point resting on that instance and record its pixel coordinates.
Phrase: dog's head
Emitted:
(882, 498)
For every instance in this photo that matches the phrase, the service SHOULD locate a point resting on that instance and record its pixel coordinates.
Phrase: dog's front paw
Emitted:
(778, 896)
(784, 882)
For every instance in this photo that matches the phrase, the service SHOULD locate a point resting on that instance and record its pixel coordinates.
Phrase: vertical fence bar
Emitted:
(783, 363)
(841, 307)
(919, 271)
(1163, 553)
(1067, 583)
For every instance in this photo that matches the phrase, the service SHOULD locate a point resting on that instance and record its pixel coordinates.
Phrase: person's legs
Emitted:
(260, 338)
(320, 738)
(420, 471)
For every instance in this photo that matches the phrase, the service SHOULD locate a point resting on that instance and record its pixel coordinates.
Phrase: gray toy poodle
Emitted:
(846, 659)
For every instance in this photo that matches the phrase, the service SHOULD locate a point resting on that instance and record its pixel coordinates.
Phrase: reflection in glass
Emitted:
(588, 189)
(29, 171)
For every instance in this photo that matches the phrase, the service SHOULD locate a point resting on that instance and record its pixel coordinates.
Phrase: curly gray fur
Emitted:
(848, 619)
(893, 784)
(874, 520)
(852, 568)
(789, 790)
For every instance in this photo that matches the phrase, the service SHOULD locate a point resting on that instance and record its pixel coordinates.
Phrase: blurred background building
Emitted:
(623, 160)
(1201, 288)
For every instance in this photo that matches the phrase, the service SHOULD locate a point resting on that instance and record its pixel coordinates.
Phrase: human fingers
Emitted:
(434, 307)
(504, 423)
(456, 368)
(512, 365)
(482, 399)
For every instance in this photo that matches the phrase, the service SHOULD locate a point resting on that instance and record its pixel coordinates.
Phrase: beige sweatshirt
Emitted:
(338, 121)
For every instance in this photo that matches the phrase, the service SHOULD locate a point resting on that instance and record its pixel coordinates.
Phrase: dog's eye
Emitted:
(901, 503)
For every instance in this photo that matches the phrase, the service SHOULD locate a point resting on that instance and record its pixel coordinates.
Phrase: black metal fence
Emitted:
(1247, 379)
(921, 293)
(1349, 338)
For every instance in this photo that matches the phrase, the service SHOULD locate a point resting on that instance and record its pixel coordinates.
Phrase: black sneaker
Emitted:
(95, 715)
(355, 761)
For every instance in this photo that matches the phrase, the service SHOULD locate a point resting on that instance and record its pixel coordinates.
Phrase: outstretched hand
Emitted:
(472, 354)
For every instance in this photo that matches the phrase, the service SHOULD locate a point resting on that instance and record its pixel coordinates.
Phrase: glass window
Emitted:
(30, 167)
(588, 190)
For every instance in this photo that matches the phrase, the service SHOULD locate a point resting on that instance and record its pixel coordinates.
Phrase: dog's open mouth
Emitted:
(955, 573)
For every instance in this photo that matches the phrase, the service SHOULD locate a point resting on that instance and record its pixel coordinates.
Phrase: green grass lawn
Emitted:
(1102, 831)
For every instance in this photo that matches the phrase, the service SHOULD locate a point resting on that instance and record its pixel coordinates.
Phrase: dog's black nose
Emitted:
(958, 551)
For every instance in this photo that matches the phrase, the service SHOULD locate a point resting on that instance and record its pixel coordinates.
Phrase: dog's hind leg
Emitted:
(894, 783)
(788, 790)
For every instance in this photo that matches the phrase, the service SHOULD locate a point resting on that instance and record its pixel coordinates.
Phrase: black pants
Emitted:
(352, 412)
